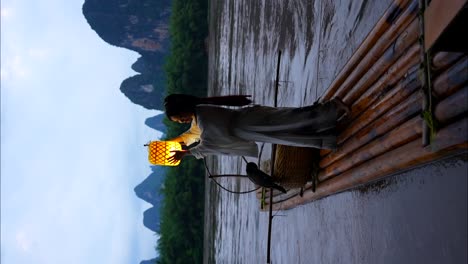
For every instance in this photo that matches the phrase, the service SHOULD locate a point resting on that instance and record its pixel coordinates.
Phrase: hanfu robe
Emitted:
(225, 131)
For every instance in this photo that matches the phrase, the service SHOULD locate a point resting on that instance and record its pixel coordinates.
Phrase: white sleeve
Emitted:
(203, 149)
(215, 138)
(200, 151)
(189, 137)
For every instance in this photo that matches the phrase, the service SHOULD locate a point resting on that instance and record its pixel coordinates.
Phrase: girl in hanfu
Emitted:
(234, 131)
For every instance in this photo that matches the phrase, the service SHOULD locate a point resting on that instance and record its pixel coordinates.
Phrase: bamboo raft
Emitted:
(389, 82)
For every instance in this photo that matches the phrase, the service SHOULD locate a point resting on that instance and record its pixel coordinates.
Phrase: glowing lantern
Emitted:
(160, 151)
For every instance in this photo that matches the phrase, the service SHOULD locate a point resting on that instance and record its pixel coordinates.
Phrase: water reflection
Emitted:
(416, 217)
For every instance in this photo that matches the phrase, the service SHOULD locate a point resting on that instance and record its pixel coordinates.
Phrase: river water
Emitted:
(419, 216)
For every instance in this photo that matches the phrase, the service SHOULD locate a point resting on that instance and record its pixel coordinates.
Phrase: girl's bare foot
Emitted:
(343, 111)
(341, 106)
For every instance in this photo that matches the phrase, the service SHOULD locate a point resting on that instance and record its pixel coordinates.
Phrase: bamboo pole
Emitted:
(403, 89)
(452, 79)
(401, 44)
(381, 48)
(442, 60)
(398, 70)
(450, 140)
(446, 83)
(386, 122)
(377, 90)
(401, 135)
(383, 42)
(273, 154)
(374, 35)
(453, 106)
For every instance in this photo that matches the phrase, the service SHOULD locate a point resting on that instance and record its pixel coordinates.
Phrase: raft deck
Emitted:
(408, 105)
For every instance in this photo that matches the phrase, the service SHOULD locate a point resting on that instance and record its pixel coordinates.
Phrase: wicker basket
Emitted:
(295, 166)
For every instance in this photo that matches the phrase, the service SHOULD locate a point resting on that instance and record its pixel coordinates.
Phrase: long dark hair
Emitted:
(177, 104)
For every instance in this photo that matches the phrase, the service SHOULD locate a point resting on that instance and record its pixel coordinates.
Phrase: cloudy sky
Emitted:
(71, 142)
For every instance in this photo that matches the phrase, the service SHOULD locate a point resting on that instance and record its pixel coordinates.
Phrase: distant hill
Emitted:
(156, 122)
(145, 90)
(149, 191)
(149, 64)
(151, 219)
(150, 261)
(141, 26)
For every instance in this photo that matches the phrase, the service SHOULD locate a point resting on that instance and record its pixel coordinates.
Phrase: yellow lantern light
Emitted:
(160, 151)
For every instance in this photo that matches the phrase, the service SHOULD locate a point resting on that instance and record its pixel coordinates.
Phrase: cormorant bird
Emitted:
(261, 178)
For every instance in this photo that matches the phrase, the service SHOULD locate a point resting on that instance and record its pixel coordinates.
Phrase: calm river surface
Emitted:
(419, 216)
